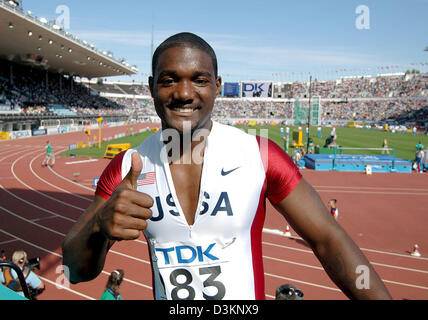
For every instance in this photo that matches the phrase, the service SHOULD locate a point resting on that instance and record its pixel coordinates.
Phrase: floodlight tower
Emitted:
(309, 112)
(151, 45)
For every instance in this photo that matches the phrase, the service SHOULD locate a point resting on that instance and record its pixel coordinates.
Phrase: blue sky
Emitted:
(275, 40)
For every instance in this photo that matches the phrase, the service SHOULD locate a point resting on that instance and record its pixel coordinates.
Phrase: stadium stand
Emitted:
(35, 88)
(402, 99)
(377, 99)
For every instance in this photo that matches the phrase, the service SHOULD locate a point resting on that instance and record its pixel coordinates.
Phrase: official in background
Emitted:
(288, 292)
(49, 156)
(113, 286)
(32, 280)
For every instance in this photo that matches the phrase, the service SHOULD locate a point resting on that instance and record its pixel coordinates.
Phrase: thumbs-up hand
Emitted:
(130, 181)
(124, 215)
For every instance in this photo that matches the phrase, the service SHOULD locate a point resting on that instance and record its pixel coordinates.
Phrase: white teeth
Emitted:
(184, 110)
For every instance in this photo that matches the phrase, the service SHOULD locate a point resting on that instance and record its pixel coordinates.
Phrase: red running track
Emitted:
(385, 214)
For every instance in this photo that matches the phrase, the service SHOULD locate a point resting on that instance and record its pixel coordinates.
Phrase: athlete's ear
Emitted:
(151, 85)
(218, 86)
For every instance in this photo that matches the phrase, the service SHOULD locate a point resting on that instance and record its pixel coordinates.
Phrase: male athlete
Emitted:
(197, 190)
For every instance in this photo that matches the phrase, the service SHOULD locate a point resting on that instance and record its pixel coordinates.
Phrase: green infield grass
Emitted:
(404, 143)
(95, 152)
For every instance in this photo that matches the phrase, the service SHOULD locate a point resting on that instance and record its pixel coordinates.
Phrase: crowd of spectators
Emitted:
(142, 90)
(374, 110)
(363, 98)
(411, 85)
(253, 109)
(32, 92)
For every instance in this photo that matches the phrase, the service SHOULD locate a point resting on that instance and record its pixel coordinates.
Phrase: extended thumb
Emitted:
(134, 172)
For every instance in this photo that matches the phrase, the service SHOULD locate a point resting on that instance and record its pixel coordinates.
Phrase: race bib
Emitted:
(194, 270)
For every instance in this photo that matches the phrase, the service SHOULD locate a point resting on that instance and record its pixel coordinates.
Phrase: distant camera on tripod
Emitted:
(31, 263)
(34, 263)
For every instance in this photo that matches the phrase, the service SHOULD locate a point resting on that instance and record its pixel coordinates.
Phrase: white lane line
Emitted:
(399, 283)
(40, 208)
(27, 202)
(293, 262)
(36, 206)
(63, 235)
(31, 222)
(398, 267)
(45, 250)
(405, 284)
(54, 186)
(374, 263)
(61, 287)
(375, 192)
(371, 262)
(282, 234)
(374, 188)
(304, 282)
(38, 192)
(395, 254)
(71, 181)
(60, 256)
(81, 161)
(43, 218)
(7, 241)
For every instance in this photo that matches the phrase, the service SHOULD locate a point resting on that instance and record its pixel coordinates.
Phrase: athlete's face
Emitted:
(184, 87)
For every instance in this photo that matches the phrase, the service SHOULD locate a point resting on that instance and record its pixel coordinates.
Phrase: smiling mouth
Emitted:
(182, 109)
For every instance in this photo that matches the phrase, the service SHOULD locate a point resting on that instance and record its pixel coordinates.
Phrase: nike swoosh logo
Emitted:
(229, 243)
(225, 173)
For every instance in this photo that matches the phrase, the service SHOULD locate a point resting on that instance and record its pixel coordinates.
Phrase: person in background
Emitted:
(288, 292)
(333, 208)
(113, 286)
(311, 147)
(296, 156)
(420, 163)
(333, 135)
(419, 146)
(49, 156)
(2, 259)
(419, 156)
(32, 280)
(385, 146)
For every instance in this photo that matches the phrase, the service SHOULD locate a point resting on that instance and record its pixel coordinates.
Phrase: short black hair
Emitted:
(184, 39)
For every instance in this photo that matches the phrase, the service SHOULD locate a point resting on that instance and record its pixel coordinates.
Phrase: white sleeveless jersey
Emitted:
(219, 256)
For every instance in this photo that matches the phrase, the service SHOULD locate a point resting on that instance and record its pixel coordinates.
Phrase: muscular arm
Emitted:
(336, 251)
(122, 217)
(85, 247)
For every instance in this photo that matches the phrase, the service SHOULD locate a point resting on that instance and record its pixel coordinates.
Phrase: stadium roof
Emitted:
(27, 39)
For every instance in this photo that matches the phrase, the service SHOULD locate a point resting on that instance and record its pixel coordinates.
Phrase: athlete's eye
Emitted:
(201, 81)
(166, 81)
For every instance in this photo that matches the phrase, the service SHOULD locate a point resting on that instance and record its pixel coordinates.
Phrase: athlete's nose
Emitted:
(184, 91)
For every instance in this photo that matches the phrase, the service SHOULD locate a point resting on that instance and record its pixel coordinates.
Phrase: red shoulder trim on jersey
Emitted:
(111, 177)
(282, 175)
(256, 247)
